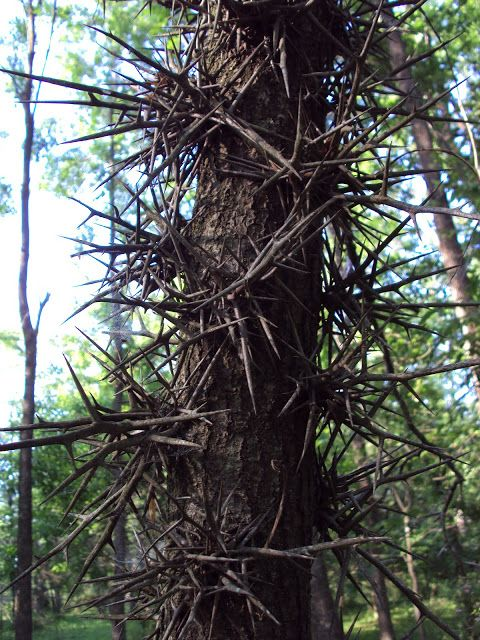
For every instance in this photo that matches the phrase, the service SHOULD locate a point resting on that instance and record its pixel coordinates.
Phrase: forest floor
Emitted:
(68, 627)
(403, 621)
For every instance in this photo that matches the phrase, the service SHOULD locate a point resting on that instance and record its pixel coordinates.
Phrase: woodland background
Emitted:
(444, 529)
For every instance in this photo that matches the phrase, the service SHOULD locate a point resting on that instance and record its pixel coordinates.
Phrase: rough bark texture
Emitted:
(450, 248)
(23, 589)
(251, 453)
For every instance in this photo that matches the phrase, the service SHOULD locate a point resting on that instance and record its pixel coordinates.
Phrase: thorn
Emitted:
(246, 356)
(311, 424)
(413, 218)
(384, 189)
(283, 61)
(88, 405)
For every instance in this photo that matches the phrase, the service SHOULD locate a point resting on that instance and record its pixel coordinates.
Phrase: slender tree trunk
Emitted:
(119, 631)
(23, 590)
(405, 505)
(411, 569)
(382, 605)
(326, 623)
(375, 576)
(450, 248)
(120, 540)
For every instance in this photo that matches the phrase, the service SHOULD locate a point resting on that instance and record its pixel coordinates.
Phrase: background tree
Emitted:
(24, 91)
(425, 143)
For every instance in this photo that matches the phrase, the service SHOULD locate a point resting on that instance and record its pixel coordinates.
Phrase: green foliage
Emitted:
(7, 206)
(11, 340)
(88, 165)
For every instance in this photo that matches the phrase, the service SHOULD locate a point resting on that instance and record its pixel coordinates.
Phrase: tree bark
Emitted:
(450, 248)
(23, 590)
(245, 484)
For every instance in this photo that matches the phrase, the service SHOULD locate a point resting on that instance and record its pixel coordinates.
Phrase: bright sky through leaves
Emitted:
(51, 268)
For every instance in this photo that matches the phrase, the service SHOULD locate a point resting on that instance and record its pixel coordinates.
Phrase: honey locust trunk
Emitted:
(244, 488)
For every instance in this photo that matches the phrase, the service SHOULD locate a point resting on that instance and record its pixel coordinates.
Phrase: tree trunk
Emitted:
(411, 569)
(119, 631)
(382, 605)
(120, 540)
(450, 248)
(326, 623)
(375, 576)
(405, 505)
(23, 589)
(245, 485)
(453, 259)
(249, 454)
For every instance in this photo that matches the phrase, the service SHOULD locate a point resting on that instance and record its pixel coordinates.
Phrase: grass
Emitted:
(69, 627)
(366, 627)
(76, 628)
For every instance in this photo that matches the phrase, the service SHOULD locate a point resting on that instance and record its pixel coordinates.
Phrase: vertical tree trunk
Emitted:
(411, 568)
(382, 605)
(452, 256)
(375, 576)
(120, 541)
(450, 248)
(245, 485)
(119, 631)
(405, 505)
(23, 590)
(326, 623)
